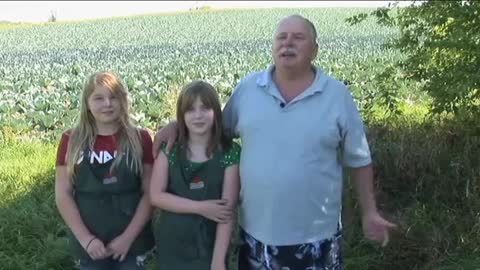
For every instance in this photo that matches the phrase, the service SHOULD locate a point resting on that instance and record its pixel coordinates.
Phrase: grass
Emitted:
(427, 176)
(30, 231)
(427, 172)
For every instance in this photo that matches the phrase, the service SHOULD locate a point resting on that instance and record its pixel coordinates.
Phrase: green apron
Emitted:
(186, 241)
(107, 204)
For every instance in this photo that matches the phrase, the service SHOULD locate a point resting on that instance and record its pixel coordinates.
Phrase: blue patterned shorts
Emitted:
(321, 255)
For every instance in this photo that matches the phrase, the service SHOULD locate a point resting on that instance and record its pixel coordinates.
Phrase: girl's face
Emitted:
(104, 105)
(199, 118)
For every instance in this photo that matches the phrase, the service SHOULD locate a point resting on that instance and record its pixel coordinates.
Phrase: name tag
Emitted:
(109, 180)
(197, 183)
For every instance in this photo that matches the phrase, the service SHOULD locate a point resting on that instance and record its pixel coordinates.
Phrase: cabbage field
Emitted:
(43, 68)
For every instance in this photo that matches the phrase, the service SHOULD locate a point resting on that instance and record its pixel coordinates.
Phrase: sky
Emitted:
(40, 11)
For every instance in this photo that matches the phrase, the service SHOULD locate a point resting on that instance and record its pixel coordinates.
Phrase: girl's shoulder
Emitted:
(145, 134)
(175, 148)
(172, 155)
(66, 135)
(63, 146)
(68, 132)
(147, 144)
(231, 155)
(235, 148)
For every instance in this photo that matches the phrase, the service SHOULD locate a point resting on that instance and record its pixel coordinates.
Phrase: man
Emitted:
(298, 128)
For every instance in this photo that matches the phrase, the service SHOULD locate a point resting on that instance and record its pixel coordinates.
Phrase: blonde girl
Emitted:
(102, 177)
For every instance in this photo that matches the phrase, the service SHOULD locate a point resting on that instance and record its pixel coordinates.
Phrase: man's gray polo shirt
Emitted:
(291, 160)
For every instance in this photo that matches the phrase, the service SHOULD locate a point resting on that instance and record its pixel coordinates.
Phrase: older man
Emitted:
(298, 128)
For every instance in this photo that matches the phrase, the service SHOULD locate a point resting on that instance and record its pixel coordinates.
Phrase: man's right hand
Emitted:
(166, 134)
(216, 210)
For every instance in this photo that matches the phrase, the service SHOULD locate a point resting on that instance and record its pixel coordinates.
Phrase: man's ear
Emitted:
(315, 52)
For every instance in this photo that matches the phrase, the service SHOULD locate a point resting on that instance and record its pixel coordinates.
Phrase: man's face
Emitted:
(294, 45)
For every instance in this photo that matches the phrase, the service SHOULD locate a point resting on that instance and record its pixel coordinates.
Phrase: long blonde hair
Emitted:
(83, 136)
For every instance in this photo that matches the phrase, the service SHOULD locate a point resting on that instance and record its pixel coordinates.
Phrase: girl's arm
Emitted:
(231, 189)
(69, 211)
(216, 210)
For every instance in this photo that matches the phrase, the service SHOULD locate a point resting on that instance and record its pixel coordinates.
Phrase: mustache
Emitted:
(288, 50)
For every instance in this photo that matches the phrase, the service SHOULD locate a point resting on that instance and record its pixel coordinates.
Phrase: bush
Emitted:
(440, 42)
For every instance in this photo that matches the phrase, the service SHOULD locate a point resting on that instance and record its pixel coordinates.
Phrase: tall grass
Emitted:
(30, 231)
(428, 181)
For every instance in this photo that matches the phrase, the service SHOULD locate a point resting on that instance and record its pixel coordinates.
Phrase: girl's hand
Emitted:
(119, 247)
(216, 210)
(96, 249)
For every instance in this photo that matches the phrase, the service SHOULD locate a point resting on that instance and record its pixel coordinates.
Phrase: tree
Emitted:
(441, 44)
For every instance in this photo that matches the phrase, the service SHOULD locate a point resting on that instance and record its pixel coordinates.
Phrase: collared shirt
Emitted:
(292, 156)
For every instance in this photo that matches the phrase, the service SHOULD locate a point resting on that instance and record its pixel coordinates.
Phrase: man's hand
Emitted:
(376, 228)
(166, 134)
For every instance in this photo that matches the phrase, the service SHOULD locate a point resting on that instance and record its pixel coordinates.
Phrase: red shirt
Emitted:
(105, 148)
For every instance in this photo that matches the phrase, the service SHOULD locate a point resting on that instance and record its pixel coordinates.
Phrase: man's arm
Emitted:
(375, 227)
(356, 154)
(231, 112)
(166, 134)
(363, 182)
